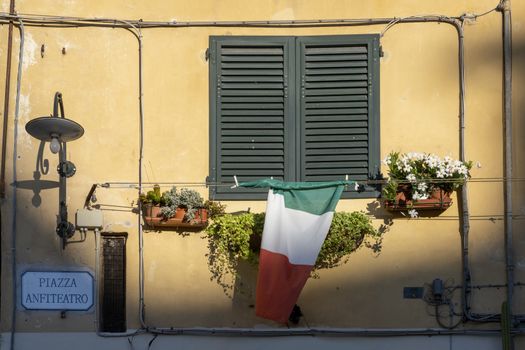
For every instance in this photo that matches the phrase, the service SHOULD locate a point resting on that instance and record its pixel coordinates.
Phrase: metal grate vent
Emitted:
(113, 283)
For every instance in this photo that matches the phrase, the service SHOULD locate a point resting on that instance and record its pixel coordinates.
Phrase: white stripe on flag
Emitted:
(296, 234)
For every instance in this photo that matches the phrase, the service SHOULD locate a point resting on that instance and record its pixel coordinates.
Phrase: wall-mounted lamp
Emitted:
(57, 131)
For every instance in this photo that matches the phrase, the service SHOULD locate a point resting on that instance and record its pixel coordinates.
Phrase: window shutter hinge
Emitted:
(207, 54)
(381, 52)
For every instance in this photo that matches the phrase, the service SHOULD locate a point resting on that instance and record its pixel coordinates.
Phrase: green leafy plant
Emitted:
(214, 208)
(390, 190)
(152, 197)
(347, 232)
(232, 238)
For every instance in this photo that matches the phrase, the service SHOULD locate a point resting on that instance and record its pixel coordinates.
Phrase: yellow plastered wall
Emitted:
(96, 69)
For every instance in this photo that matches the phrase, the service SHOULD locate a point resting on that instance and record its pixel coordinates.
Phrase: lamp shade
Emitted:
(46, 128)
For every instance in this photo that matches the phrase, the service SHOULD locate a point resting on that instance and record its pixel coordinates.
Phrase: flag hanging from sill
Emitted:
(298, 217)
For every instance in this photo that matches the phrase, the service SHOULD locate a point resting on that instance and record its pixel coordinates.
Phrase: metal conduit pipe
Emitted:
(114, 23)
(504, 7)
(6, 99)
(14, 269)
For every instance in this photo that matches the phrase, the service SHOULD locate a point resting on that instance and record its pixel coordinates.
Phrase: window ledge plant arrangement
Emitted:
(236, 238)
(422, 181)
(173, 208)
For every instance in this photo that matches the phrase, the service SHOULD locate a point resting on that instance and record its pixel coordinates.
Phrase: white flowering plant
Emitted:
(422, 173)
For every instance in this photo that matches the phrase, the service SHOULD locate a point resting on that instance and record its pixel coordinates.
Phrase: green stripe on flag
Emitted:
(312, 197)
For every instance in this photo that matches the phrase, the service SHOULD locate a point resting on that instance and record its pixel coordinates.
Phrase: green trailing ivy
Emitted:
(347, 232)
(232, 238)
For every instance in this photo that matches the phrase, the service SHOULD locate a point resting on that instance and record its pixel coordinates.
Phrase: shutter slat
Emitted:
(334, 64)
(256, 51)
(337, 111)
(250, 112)
(321, 138)
(337, 171)
(251, 152)
(255, 99)
(252, 105)
(251, 132)
(337, 92)
(324, 152)
(336, 71)
(240, 93)
(339, 131)
(255, 145)
(252, 85)
(252, 78)
(355, 177)
(258, 173)
(335, 104)
(334, 50)
(336, 118)
(252, 119)
(335, 165)
(252, 65)
(335, 85)
(228, 179)
(338, 157)
(252, 72)
(252, 126)
(348, 77)
(325, 58)
(336, 98)
(339, 125)
(345, 144)
(253, 58)
(277, 164)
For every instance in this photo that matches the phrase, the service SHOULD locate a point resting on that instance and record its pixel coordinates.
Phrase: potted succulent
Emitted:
(186, 204)
(175, 208)
(192, 202)
(422, 181)
(151, 202)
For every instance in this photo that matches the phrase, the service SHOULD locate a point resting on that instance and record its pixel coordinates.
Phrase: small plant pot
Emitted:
(180, 213)
(151, 210)
(201, 215)
(439, 200)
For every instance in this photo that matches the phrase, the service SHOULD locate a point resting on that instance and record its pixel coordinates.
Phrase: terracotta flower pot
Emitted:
(439, 200)
(179, 213)
(151, 210)
(201, 215)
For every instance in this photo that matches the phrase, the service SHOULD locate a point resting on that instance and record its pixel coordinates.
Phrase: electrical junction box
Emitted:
(89, 218)
(413, 292)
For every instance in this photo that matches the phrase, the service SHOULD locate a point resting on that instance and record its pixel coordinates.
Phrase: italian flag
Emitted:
(298, 217)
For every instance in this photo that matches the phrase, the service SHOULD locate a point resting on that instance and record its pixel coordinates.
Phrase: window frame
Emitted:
(294, 118)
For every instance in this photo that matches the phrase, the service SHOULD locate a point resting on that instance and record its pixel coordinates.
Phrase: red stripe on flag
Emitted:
(279, 284)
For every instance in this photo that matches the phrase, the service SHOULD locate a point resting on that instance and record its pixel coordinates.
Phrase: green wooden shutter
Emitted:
(250, 112)
(338, 102)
